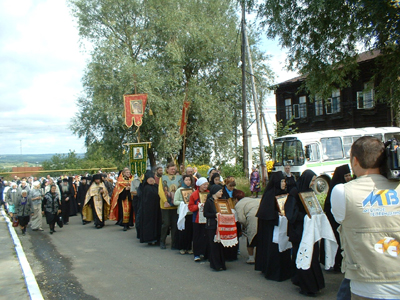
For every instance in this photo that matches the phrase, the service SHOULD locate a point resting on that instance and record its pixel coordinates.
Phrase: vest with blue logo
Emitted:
(370, 232)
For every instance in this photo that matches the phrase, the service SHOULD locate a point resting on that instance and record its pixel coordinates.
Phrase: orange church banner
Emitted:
(184, 117)
(135, 105)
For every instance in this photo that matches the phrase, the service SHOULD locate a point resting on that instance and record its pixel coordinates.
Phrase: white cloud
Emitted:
(41, 70)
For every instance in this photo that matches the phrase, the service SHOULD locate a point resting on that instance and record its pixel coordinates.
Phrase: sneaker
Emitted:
(40, 229)
(190, 252)
(162, 246)
(182, 251)
(250, 261)
(197, 258)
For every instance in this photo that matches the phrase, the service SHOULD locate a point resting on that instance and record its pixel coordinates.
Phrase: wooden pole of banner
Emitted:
(184, 133)
(135, 84)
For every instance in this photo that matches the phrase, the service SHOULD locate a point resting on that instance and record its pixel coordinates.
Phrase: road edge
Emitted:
(30, 279)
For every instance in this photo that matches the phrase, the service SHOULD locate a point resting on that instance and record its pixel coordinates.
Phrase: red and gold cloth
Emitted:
(135, 105)
(120, 186)
(226, 231)
(184, 117)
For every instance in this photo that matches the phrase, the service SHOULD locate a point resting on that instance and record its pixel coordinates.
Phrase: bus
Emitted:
(323, 151)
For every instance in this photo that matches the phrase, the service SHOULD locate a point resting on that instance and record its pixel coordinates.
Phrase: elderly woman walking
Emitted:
(36, 196)
(23, 210)
(51, 206)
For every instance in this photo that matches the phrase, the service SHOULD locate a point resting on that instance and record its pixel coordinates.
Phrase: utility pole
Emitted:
(258, 120)
(244, 110)
(266, 129)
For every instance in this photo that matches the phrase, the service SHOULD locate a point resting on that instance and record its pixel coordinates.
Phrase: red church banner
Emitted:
(134, 108)
(184, 117)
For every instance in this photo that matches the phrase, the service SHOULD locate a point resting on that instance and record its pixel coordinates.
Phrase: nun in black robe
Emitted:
(337, 178)
(149, 210)
(73, 210)
(273, 264)
(311, 280)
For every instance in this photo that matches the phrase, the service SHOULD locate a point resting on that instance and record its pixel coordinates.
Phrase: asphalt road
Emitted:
(82, 262)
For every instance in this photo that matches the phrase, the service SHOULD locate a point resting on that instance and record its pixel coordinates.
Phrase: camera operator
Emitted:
(368, 210)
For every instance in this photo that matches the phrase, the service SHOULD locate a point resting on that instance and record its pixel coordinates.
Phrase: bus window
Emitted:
(278, 153)
(293, 153)
(378, 136)
(347, 142)
(393, 135)
(312, 152)
(331, 148)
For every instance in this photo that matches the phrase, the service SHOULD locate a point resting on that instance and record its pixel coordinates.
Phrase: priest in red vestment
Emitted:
(121, 201)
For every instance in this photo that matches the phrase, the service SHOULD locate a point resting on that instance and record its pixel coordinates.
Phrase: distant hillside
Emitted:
(31, 159)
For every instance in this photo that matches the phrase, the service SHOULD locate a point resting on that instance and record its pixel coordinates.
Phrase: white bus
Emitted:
(323, 151)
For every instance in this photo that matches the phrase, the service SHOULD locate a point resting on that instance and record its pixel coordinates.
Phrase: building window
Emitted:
(319, 106)
(288, 109)
(300, 110)
(332, 105)
(303, 107)
(365, 98)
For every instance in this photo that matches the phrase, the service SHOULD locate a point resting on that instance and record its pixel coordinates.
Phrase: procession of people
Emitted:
(187, 208)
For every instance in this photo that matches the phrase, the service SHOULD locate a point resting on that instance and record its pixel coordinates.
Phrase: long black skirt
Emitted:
(273, 264)
(216, 252)
(185, 237)
(310, 280)
(199, 240)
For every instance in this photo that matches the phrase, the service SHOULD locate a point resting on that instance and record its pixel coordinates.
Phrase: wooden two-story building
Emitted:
(352, 107)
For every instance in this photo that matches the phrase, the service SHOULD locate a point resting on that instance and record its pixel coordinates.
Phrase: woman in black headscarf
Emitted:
(273, 264)
(215, 179)
(312, 279)
(216, 253)
(149, 212)
(342, 175)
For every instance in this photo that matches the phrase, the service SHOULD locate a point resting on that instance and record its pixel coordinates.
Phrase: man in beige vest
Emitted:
(368, 209)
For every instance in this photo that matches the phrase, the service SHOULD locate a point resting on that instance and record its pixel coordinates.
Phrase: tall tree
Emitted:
(324, 38)
(174, 47)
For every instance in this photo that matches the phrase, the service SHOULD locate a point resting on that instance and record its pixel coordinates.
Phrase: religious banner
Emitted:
(184, 117)
(135, 105)
(138, 158)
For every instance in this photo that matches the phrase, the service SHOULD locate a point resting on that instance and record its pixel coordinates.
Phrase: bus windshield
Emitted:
(278, 153)
(293, 153)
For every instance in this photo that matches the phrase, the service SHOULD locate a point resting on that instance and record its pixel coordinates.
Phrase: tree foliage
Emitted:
(176, 49)
(324, 38)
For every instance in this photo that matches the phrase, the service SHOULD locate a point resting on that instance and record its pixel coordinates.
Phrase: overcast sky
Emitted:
(41, 67)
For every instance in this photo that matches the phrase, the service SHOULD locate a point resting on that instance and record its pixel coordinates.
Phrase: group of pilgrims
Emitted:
(156, 206)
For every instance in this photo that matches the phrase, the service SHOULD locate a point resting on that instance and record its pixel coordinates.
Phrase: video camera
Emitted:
(392, 151)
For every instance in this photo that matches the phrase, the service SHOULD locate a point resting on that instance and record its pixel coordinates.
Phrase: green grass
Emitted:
(243, 184)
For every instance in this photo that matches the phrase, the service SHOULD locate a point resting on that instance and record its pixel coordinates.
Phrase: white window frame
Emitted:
(319, 106)
(332, 105)
(303, 107)
(288, 108)
(366, 98)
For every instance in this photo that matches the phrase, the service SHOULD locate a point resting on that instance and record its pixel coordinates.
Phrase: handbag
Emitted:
(15, 222)
(59, 221)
